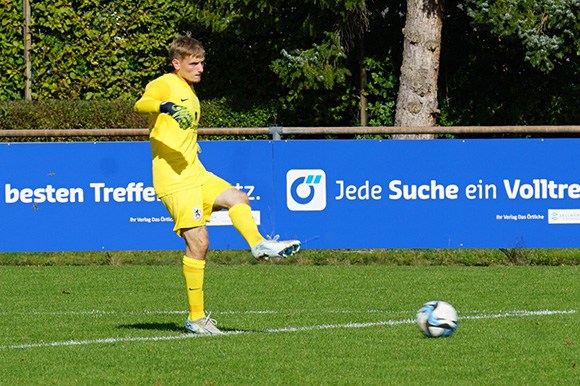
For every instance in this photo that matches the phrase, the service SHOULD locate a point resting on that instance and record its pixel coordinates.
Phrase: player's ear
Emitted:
(176, 64)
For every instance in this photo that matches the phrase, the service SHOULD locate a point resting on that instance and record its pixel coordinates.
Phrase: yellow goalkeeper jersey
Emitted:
(174, 150)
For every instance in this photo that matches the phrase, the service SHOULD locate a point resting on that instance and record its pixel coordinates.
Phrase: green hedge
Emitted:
(110, 114)
(87, 49)
(59, 114)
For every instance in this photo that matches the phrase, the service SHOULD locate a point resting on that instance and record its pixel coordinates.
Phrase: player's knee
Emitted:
(200, 242)
(203, 245)
(196, 241)
(230, 198)
(236, 197)
(243, 198)
(197, 250)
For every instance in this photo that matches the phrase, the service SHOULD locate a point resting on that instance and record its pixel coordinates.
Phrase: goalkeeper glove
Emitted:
(180, 113)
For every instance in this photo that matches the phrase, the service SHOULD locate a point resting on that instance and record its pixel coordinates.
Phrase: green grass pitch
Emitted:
(289, 325)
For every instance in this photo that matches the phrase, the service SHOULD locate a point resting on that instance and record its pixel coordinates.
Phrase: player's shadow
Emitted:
(164, 327)
(153, 326)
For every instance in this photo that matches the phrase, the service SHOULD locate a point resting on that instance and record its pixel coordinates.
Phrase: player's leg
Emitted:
(197, 244)
(237, 203)
(238, 206)
(186, 209)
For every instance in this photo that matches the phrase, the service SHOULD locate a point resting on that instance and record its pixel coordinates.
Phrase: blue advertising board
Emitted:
(432, 194)
(495, 193)
(99, 196)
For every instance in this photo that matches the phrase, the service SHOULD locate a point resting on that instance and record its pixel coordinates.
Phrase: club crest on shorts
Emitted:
(197, 213)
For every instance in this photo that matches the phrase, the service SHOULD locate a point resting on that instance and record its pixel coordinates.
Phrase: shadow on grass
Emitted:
(153, 326)
(166, 327)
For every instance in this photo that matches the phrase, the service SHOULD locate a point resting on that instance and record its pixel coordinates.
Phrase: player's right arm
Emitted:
(155, 93)
(155, 101)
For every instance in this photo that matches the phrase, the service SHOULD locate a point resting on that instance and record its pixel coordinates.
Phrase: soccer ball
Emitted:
(437, 319)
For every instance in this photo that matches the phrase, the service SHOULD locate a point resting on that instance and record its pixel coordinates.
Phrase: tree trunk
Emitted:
(27, 46)
(417, 99)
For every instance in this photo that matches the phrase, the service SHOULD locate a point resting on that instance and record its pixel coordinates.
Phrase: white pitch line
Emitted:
(515, 313)
(518, 313)
(145, 312)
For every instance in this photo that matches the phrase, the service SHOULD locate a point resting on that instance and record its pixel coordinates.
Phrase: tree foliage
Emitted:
(11, 43)
(294, 52)
(487, 75)
(85, 49)
(502, 61)
(547, 29)
(381, 92)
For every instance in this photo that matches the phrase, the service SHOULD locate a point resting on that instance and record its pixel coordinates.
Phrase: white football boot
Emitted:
(203, 326)
(274, 248)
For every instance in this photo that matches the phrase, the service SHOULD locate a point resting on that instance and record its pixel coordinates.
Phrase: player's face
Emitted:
(190, 68)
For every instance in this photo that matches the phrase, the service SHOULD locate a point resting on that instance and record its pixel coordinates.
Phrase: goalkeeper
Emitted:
(188, 191)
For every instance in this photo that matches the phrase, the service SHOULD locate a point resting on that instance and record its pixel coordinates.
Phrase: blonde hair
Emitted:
(184, 47)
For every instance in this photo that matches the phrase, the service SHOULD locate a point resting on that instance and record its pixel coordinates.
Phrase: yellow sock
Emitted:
(193, 271)
(243, 221)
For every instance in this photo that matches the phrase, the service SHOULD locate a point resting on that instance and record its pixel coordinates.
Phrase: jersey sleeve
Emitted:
(156, 92)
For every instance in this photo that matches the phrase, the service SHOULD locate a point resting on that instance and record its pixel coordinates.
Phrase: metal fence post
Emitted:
(276, 132)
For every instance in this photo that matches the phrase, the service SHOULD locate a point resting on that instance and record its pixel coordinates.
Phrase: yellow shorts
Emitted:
(192, 207)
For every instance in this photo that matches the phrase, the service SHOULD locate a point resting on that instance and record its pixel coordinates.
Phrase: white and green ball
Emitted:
(437, 319)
